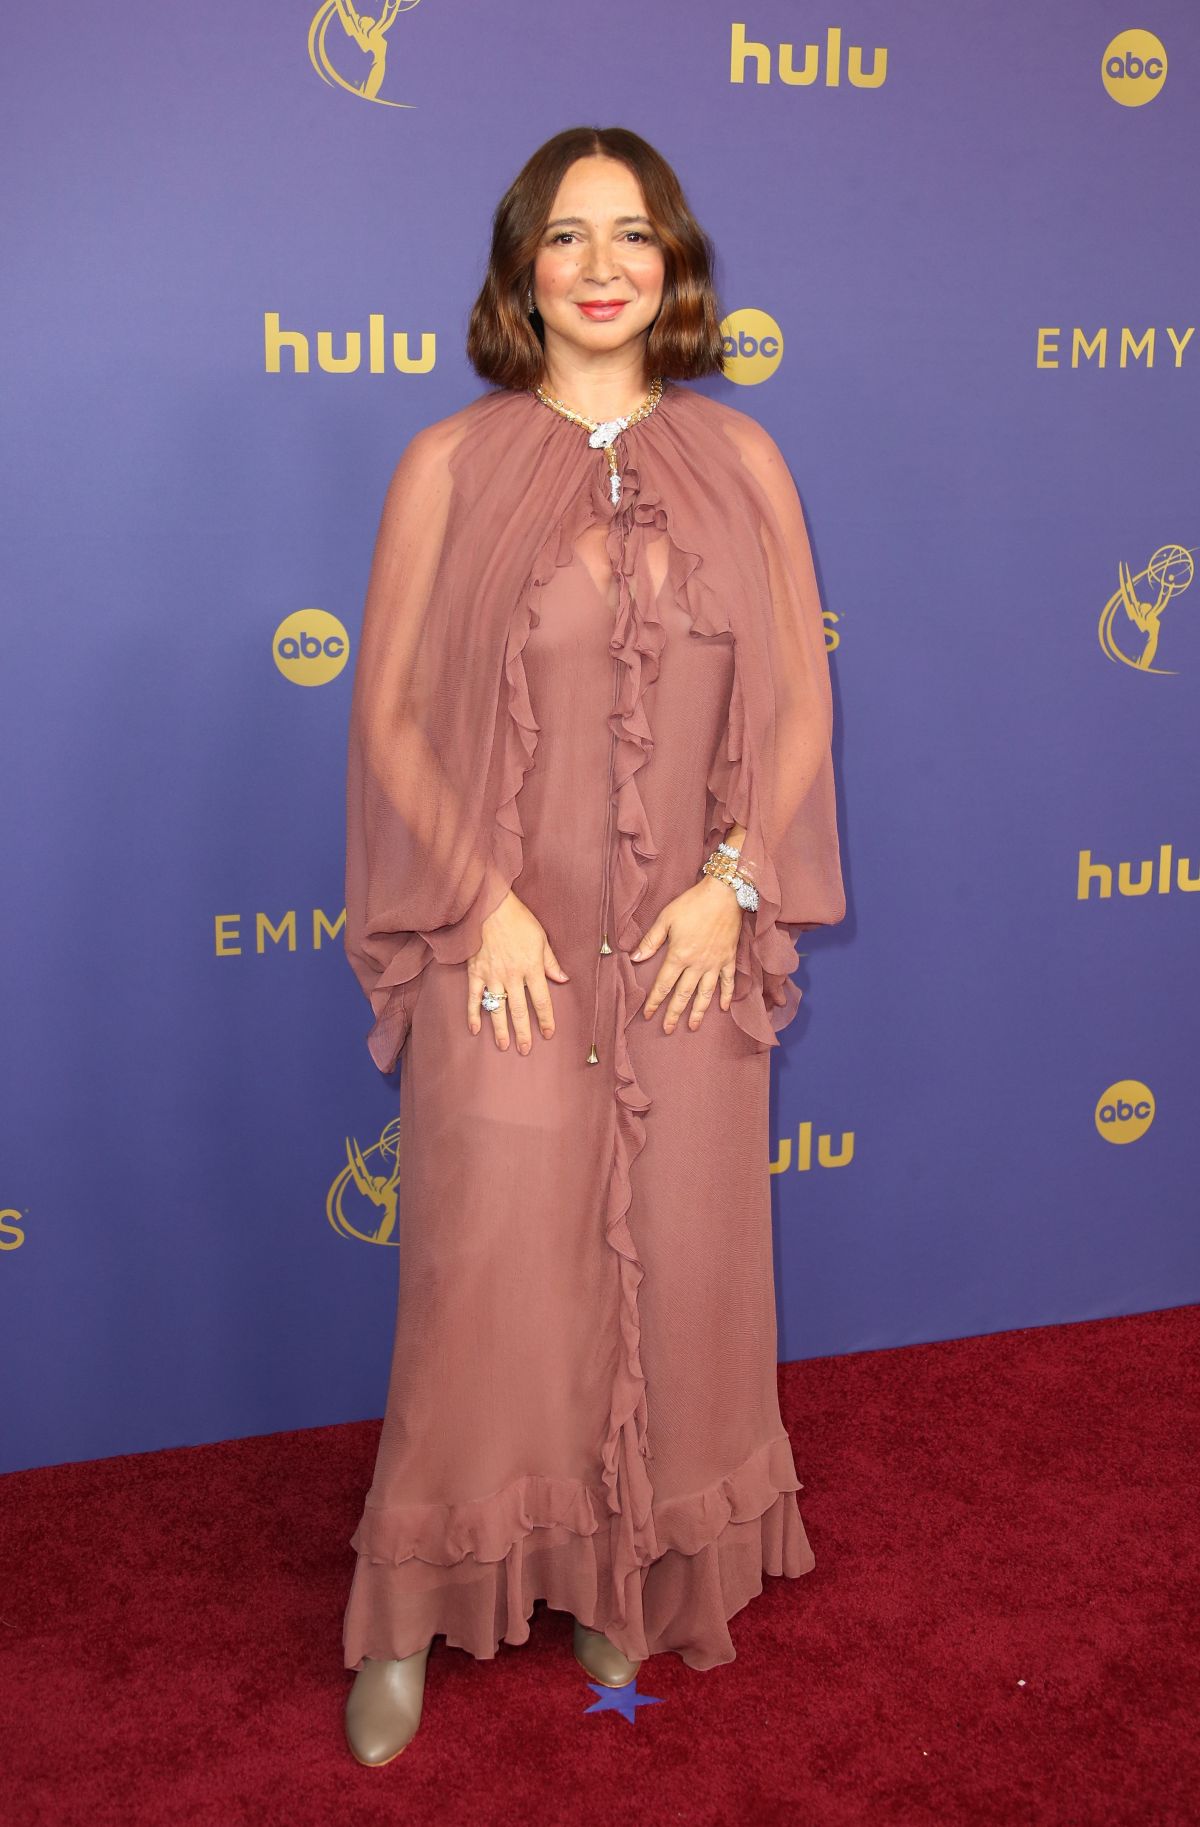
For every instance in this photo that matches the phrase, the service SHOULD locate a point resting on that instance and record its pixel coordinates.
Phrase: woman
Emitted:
(590, 804)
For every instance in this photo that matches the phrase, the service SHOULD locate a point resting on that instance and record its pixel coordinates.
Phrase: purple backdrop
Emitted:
(195, 1153)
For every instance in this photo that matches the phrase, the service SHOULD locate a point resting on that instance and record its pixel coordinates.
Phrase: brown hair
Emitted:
(505, 344)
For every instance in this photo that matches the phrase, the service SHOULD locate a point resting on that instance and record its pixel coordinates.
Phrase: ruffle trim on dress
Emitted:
(636, 642)
(488, 1528)
(714, 1550)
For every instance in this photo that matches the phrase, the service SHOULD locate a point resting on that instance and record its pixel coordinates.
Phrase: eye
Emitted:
(568, 234)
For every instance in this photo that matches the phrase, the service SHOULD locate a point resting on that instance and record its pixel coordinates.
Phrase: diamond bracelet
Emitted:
(721, 865)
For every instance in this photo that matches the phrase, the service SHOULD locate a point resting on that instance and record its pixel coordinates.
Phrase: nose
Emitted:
(599, 268)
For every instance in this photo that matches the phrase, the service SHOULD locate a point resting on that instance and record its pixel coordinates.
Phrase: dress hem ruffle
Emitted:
(541, 1538)
(488, 1527)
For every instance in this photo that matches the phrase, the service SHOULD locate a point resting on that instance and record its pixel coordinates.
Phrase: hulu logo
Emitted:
(803, 1158)
(1155, 875)
(348, 358)
(815, 68)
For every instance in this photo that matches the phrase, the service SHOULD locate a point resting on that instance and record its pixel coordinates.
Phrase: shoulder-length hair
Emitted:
(506, 345)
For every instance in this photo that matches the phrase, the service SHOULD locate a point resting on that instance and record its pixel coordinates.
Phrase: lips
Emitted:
(601, 313)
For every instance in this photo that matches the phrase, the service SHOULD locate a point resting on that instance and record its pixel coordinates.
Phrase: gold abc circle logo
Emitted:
(1134, 68)
(1125, 1111)
(310, 647)
(753, 346)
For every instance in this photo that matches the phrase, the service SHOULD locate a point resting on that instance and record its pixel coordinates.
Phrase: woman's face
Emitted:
(598, 248)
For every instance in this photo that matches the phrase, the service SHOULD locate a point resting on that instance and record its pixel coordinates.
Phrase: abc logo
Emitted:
(311, 647)
(1125, 1111)
(753, 347)
(1134, 68)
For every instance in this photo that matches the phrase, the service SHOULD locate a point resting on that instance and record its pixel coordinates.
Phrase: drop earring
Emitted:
(529, 303)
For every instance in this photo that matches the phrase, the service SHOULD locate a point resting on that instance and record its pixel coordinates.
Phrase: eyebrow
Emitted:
(578, 221)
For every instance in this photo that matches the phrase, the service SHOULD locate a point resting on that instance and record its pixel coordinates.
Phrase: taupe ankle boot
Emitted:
(602, 1660)
(383, 1707)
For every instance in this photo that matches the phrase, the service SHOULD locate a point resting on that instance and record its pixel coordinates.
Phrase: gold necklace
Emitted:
(606, 431)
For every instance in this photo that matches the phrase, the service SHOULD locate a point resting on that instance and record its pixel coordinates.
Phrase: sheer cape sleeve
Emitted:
(420, 877)
(775, 774)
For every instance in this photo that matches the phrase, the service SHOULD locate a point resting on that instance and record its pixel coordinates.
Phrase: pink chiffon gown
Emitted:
(582, 1405)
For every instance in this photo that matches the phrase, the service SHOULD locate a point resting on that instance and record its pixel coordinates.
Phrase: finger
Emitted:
(476, 983)
(650, 941)
(518, 1008)
(500, 1025)
(539, 995)
(662, 985)
(552, 964)
(728, 984)
(680, 998)
(703, 996)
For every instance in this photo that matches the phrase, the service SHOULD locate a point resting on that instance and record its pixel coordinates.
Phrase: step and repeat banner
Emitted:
(960, 282)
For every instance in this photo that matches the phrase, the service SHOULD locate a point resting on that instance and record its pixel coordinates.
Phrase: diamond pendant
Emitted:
(614, 488)
(604, 434)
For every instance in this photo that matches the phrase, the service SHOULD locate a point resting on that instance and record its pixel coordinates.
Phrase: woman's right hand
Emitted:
(514, 954)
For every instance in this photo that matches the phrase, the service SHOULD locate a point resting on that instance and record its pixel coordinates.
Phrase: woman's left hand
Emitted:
(701, 926)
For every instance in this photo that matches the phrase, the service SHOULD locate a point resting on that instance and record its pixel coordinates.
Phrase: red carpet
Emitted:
(1002, 1627)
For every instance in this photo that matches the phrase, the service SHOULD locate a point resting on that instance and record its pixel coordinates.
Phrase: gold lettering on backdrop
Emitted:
(1094, 348)
(743, 51)
(1080, 345)
(1161, 881)
(12, 1234)
(349, 359)
(413, 364)
(322, 930)
(807, 73)
(349, 363)
(1134, 349)
(227, 930)
(803, 1160)
(226, 941)
(277, 340)
(285, 930)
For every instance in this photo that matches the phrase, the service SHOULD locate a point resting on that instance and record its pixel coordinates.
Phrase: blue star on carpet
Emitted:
(624, 1700)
